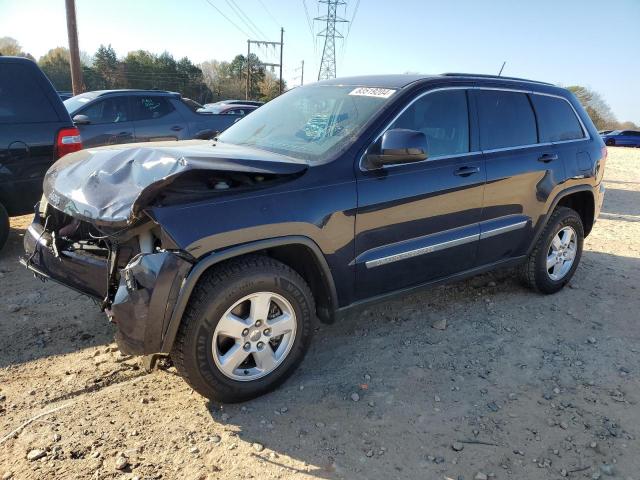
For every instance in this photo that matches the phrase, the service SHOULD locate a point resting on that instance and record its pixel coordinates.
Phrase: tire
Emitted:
(610, 142)
(4, 226)
(534, 272)
(239, 283)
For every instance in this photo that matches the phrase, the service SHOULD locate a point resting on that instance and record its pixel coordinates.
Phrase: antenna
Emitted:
(502, 67)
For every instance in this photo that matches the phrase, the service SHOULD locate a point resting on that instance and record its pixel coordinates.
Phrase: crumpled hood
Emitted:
(108, 185)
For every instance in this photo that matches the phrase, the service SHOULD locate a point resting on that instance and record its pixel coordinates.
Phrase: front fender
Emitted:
(213, 258)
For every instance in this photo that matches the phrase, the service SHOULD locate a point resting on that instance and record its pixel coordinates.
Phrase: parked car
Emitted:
(221, 254)
(110, 117)
(35, 130)
(65, 95)
(228, 109)
(256, 103)
(604, 132)
(622, 138)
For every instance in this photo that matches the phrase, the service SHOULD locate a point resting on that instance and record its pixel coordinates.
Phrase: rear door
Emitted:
(29, 124)
(419, 222)
(156, 118)
(521, 173)
(110, 122)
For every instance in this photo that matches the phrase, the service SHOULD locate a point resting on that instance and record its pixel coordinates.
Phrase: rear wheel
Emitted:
(554, 260)
(610, 142)
(246, 329)
(4, 225)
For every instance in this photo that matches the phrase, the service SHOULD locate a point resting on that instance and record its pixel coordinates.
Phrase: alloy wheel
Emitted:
(254, 336)
(562, 253)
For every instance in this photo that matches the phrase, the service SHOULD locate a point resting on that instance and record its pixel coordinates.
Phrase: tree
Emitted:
(105, 65)
(10, 47)
(270, 87)
(55, 65)
(599, 110)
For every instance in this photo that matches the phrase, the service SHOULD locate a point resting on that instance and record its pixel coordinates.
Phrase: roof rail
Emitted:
(497, 77)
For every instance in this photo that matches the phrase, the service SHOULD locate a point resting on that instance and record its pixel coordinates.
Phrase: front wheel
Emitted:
(246, 329)
(557, 253)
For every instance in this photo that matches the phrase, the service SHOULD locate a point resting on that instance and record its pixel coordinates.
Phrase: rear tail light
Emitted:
(68, 141)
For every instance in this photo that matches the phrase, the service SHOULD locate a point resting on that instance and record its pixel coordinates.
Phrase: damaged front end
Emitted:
(128, 273)
(93, 230)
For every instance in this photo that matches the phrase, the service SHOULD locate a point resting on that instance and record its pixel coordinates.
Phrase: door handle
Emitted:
(176, 128)
(548, 157)
(466, 171)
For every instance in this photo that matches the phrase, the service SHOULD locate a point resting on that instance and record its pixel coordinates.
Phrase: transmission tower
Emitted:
(328, 63)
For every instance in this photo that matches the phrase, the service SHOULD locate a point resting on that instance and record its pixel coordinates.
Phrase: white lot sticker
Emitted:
(372, 92)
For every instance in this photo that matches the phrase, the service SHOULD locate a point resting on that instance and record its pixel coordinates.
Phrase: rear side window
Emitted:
(556, 119)
(22, 99)
(151, 107)
(506, 119)
(443, 117)
(109, 110)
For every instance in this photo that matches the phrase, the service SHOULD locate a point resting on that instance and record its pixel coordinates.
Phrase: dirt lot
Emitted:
(518, 385)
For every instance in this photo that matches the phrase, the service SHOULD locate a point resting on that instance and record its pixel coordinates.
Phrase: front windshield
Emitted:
(74, 104)
(310, 123)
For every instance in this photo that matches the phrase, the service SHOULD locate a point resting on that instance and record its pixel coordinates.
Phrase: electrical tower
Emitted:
(328, 63)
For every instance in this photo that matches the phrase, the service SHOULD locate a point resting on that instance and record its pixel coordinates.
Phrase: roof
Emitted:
(99, 93)
(382, 81)
(403, 80)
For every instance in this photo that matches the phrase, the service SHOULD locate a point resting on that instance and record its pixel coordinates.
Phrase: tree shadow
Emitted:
(41, 319)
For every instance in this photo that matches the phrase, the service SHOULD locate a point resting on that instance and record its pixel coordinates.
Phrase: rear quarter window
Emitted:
(557, 121)
(22, 98)
(506, 119)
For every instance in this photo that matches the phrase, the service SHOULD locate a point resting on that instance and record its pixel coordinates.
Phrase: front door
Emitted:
(420, 222)
(108, 122)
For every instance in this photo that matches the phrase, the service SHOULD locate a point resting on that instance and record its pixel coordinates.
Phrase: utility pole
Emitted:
(302, 74)
(281, 45)
(328, 63)
(260, 43)
(74, 50)
(246, 96)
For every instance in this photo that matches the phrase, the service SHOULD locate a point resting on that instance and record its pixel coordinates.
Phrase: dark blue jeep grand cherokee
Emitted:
(221, 253)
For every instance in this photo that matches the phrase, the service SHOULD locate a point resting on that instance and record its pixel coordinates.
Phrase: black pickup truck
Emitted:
(110, 117)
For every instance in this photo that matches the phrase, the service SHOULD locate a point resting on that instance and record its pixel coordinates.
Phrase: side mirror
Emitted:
(81, 120)
(398, 146)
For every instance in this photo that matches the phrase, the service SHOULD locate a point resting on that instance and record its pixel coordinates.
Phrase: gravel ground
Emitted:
(475, 380)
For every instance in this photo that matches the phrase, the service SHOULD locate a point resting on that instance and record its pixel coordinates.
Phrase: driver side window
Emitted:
(109, 110)
(444, 119)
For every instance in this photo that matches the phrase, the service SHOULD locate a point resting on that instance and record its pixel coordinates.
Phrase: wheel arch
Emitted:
(298, 252)
(579, 198)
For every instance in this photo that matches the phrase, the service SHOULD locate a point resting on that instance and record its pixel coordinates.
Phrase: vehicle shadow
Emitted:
(419, 388)
(42, 319)
(619, 202)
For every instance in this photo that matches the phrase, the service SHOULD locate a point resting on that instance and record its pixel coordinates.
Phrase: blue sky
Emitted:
(587, 42)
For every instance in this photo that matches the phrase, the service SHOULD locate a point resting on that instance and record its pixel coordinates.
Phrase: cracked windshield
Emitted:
(309, 122)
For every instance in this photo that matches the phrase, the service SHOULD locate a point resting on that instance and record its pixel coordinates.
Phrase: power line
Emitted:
(269, 13)
(353, 17)
(306, 12)
(230, 21)
(245, 19)
(344, 43)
